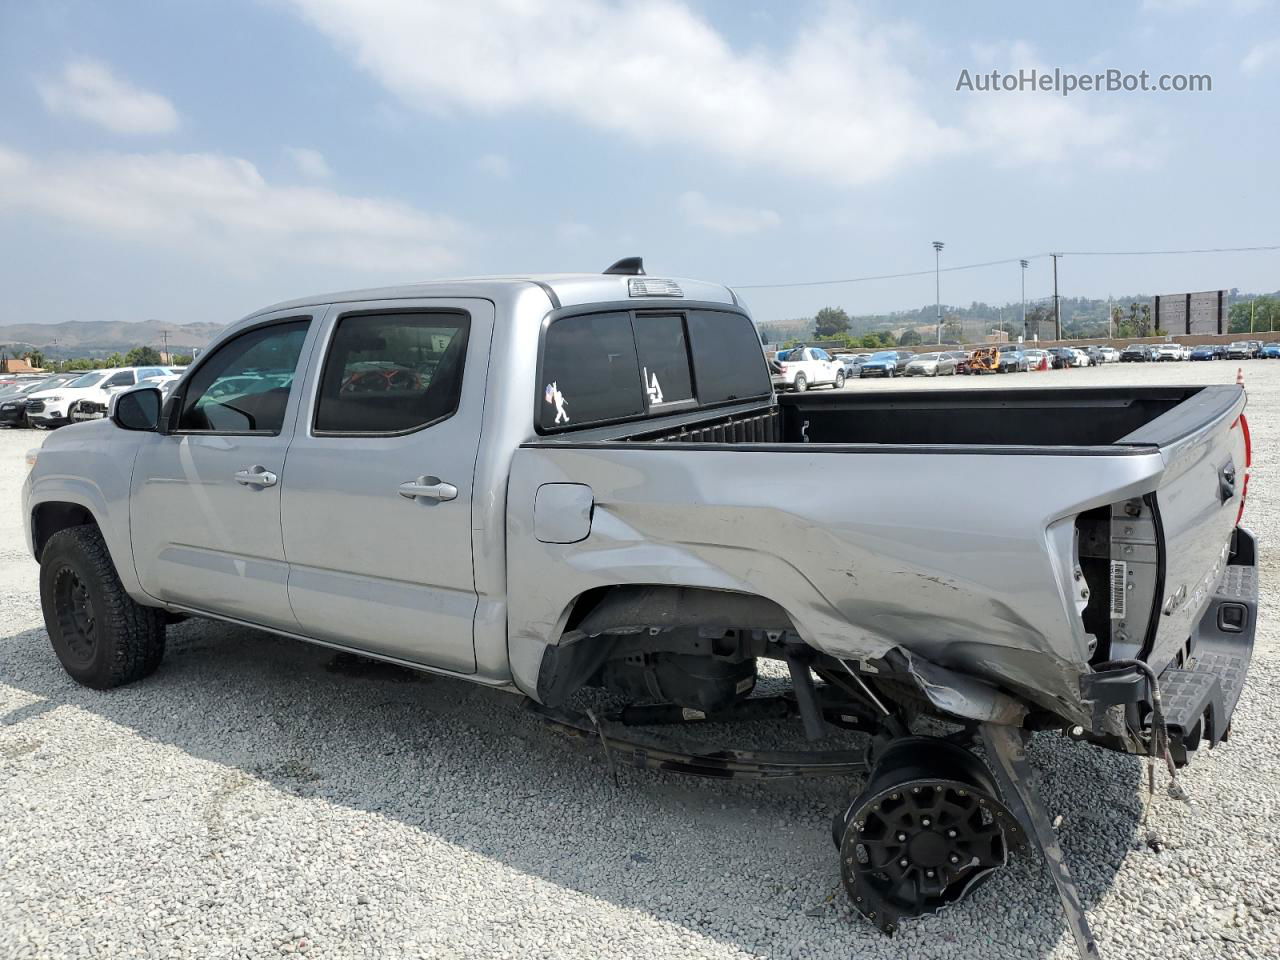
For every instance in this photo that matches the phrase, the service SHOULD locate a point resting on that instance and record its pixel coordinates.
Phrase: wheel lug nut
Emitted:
(926, 821)
(928, 873)
(952, 834)
(904, 863)
(902, 838)
(955, 858)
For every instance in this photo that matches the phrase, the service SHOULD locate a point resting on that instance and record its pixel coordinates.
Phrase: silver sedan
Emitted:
(931, 365)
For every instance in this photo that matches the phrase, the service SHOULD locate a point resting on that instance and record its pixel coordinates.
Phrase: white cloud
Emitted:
(1033, 127)
(720, 218)
(1261, 56)
(310, 163)
(496, 165)
(837, 103)
(89, 90)
(218, 204)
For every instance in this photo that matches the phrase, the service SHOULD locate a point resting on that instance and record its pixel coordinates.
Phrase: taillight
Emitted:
(782, 368)
(1248, 462)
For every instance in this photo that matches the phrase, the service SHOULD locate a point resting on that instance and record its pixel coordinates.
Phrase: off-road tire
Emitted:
(801, 384)
(101, 636)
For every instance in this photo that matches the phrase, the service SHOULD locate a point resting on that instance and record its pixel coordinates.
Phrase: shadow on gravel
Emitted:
(748, 864)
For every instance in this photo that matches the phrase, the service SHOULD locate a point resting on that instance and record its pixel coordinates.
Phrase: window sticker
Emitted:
(653, 387)
(553, 395)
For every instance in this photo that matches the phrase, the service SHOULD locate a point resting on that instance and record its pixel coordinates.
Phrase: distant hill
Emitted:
(87, 338)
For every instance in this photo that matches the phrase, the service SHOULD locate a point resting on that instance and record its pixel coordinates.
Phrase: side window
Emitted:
(663, 352)
(122, 379)
(392, 372)
(728, 360)
(244, 386)
(821, 355)
(589, 371)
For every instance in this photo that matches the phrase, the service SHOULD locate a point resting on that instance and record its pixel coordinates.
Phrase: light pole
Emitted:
(1024, 298)
(937, 284)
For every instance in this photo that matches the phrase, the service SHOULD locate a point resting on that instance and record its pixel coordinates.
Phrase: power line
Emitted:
(997, 263)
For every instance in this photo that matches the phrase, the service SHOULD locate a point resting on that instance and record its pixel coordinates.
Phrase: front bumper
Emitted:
(875, 371)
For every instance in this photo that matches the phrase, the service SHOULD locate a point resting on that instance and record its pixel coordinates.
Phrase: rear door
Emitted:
(377, 513)
(205, 501)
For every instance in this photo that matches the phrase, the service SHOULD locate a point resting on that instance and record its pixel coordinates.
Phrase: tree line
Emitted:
(137, 357)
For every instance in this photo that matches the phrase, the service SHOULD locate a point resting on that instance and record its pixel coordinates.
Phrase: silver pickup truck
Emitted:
(549, 484)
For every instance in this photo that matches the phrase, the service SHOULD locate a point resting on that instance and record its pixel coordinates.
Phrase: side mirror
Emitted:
(137, 410)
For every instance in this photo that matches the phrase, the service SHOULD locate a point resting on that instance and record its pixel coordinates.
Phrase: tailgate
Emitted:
(1197, 503)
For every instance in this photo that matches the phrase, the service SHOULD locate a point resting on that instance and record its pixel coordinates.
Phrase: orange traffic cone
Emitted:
(1240, 376)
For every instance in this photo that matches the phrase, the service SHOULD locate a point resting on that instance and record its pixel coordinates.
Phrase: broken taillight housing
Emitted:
(1248, 462)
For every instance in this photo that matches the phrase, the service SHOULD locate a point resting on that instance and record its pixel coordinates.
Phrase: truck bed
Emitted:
(1027, 418)
(976, 529)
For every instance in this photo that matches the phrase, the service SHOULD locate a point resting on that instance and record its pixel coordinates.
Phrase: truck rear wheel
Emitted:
(801, 384)
(102, 637)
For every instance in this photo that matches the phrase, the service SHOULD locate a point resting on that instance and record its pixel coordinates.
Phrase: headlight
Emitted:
(51, 399)
(32, 454)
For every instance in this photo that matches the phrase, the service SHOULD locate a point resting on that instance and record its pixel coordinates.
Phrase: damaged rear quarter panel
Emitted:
(955, 557)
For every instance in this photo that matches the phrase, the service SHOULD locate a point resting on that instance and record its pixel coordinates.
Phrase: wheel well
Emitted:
(54, 517)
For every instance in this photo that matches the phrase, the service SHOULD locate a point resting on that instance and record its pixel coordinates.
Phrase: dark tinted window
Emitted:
(122, 379)
(664, 358)
(244, 385)
(590, 371)
(389, 373)
(728, 360)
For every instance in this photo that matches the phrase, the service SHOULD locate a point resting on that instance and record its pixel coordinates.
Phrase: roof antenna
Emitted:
(627, 267)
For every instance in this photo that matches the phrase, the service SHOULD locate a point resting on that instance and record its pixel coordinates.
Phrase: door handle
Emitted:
(256, 476)
(428, 488)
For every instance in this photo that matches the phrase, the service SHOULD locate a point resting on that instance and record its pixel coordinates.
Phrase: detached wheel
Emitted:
(101, 636)
(801, 384)
(926, 831)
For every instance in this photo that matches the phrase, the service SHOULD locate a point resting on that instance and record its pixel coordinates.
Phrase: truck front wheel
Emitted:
(101, 636)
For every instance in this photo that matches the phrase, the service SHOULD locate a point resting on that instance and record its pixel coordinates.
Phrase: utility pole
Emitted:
(1024, 298)
(937, 284)
(1057, 302)
(1111, 333)
(164, 335)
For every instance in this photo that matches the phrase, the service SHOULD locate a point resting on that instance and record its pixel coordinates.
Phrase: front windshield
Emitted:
(88, 380)
(928, 356)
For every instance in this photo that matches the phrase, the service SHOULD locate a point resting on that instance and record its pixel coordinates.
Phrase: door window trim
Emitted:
(173, 406)
(327, 349)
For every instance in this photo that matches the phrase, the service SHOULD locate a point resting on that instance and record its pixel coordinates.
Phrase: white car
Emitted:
(1109, 354)
(1078, 357)
(53, 408)
(800, 368)
(1169, 351)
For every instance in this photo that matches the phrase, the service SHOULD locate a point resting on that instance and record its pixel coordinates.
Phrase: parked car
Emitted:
(1109, 354)
(1240, 350)
(1061, 357)
(52, 408)
(13, 398)
(1135, 353)
(1257, 348)
(665, 571)
(1095, 355)
(961, 359)
(1271, 351)
(886, 363)
(1208, 351)
(803, 367)
(1080, 357)
(1168, 351)
(930, 365)
(1037, 359)
(1011, 360)
(849, 362)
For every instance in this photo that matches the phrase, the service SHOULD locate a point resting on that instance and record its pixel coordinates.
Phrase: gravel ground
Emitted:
(257, 797)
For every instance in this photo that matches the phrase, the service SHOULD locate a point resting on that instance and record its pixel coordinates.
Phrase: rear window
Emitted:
(728, 357)
(622, 365)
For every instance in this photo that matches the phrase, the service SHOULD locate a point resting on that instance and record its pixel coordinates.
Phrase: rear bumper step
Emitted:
(1199, 692)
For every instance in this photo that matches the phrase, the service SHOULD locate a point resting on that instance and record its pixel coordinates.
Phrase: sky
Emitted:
(195, 161)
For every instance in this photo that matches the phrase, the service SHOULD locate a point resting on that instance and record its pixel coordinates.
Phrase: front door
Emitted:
(377, 512)
(205, 509)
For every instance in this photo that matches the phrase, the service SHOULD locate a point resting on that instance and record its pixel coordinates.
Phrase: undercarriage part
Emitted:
(836, 710)
(927, 829)
(1008, 759)
(806, 694)
(698, 683)
(658, 752)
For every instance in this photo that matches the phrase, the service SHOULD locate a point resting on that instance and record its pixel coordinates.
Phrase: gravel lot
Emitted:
(257, 797)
